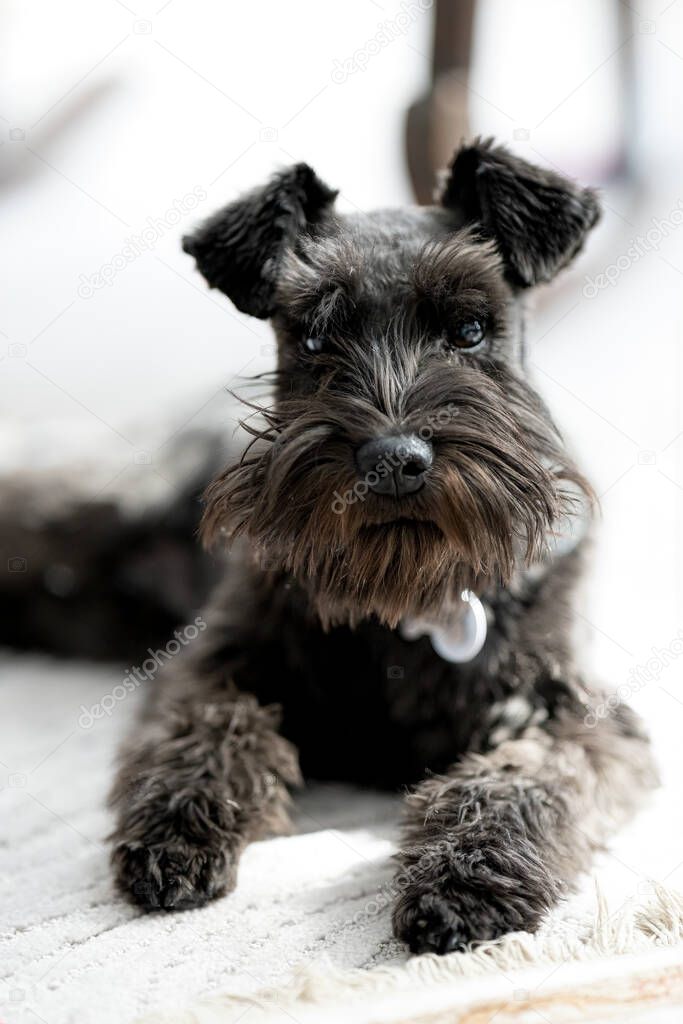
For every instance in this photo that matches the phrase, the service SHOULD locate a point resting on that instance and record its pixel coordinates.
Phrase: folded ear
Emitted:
(538, 218)
(239, 250)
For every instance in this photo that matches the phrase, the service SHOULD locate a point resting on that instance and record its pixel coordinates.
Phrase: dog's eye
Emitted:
(469, 334)
(314, 345)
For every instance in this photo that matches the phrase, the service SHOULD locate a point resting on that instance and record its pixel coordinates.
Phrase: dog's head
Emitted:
(406, 455)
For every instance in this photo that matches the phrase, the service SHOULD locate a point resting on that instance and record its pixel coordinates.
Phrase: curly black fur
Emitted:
(512, 792)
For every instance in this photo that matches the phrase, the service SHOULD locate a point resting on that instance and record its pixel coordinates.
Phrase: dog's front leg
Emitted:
(205, 774)
(490, 847)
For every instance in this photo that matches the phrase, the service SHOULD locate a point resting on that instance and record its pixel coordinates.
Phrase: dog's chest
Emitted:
(371, 707)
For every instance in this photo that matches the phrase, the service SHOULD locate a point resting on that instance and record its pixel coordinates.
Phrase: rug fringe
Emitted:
(632, 929)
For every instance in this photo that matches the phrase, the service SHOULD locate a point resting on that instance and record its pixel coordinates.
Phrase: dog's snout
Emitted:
(395, 465)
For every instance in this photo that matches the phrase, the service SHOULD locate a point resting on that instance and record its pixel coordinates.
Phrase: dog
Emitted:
(397, 604)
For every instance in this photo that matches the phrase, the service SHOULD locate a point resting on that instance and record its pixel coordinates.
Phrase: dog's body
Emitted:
(407, 472)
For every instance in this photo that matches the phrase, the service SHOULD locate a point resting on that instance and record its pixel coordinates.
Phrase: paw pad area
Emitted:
(433, 925)
(170, 878)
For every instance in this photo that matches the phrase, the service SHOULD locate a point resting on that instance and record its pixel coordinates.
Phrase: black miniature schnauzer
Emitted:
(397, 607)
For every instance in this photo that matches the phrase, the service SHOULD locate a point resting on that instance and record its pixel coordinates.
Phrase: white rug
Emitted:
(307, 906)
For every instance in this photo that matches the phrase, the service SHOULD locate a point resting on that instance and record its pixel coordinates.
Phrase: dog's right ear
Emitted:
(239, 250)
(538, 218)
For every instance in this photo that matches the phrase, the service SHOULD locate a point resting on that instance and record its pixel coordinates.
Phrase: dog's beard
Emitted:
(495, 492)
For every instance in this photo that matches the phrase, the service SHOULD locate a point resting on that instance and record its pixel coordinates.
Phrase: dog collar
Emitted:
(461, 638)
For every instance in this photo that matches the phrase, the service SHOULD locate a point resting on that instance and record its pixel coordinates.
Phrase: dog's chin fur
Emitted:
(493, 496)
(384, 572)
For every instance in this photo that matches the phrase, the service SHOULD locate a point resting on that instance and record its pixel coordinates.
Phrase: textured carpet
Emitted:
(311, 905)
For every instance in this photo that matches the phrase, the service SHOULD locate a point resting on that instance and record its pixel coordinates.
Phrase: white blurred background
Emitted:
(114, 113)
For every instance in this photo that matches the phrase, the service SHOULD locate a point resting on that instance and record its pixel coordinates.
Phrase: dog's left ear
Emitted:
(240, 248)
(538, 218)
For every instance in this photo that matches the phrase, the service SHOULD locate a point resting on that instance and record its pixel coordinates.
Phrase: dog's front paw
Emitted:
(176, 875)
(175, 851)
(444, 920)
(450, 897)
(428, 923)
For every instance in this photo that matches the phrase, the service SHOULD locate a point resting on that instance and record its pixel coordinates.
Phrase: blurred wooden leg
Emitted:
(437, 122)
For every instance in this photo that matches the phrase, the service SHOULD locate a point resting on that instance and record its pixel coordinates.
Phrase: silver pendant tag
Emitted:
(459, 640)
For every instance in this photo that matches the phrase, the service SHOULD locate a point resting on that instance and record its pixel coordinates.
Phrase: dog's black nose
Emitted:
(395, 465)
